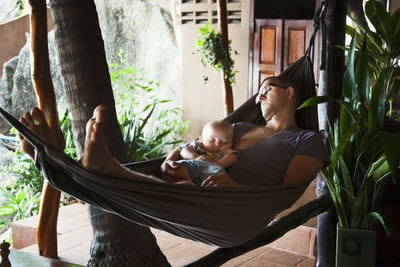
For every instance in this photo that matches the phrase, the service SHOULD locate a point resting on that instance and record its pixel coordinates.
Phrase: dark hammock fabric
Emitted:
(223, 217)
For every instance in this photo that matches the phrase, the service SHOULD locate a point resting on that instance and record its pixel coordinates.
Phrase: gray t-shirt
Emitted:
(265, 163)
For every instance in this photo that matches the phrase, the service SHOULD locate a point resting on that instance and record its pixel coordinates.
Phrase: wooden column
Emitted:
(331, 77)
(223, 31)
(46, 234)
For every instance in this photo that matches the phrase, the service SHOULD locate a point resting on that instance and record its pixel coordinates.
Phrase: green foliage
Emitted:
(17, 205)
(27, 173)
(383, 48)
(363, 154)
(147, 126)
(66, 128)
(213, 53)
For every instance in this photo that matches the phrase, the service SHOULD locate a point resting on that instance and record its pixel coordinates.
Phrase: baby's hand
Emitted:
(204, 158)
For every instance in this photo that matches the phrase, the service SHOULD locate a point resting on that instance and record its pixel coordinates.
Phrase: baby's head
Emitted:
(217, 136)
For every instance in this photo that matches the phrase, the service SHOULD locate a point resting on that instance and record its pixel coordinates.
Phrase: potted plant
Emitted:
(364, 154)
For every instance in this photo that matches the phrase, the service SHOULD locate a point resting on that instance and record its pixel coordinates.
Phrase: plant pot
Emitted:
(355, 247)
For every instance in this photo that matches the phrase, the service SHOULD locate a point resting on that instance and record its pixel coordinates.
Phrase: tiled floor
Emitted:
(75, 236)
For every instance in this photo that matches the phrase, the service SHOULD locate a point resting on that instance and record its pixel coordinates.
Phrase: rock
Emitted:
(6, 85)
(145, 31)
(17, 94)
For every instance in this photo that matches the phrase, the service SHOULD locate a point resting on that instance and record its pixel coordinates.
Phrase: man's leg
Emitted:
(96, 154)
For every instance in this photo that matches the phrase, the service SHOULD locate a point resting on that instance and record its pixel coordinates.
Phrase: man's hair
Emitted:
(276, 80)
(220, 125)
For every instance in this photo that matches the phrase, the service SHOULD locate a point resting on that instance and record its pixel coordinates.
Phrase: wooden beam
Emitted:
(46, 234)
(223, 31)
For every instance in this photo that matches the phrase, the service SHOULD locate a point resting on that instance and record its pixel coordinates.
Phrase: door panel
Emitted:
(296, 36)
(267, 50)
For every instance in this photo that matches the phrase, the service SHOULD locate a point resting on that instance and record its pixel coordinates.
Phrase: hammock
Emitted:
(222, 217)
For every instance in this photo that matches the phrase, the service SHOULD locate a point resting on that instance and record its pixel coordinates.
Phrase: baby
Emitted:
(210, 154)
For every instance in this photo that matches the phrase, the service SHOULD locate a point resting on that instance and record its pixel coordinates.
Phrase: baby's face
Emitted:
(216, 140)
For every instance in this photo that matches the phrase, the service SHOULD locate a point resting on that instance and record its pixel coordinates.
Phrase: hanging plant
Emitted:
(213, 53)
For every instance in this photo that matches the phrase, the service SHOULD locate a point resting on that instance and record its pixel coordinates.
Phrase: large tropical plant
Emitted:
(363, 155)
(383, 47)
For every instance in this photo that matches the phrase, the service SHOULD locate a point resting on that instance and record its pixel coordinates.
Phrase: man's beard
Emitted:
(268, 113)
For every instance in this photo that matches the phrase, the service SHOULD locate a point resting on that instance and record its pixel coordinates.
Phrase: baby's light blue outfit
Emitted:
(200, 170)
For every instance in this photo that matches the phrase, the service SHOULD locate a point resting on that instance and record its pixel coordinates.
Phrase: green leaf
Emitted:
(378, 16)
(374, 41)
(349, 84)
(347, 179)
(359, 206)
(350, 111)
(394, 86)
(391, 147)
(387, 224)
(338, 151)
(362, 75)
(376, 111)
(315, 101)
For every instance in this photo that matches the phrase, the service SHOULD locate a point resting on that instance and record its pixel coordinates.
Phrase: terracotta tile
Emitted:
(165, 244)
(236, 261)
(22, 235)
(178, 262)
(256, 252)
(260, 263)
(281, 257)
(71, 224)
(187, 252)
(74, 239)
(309, 262)
(297, 241)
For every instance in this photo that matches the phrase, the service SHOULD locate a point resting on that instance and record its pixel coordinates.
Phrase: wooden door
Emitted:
(277, 44)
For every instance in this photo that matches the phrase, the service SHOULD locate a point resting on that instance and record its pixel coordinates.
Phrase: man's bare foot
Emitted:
(35, 120)
(96, 153)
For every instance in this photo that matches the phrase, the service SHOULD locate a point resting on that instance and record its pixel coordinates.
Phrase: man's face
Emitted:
(271, 97)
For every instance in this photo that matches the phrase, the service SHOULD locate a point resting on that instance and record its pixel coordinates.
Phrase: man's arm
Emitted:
(302, 169)
(227, 161)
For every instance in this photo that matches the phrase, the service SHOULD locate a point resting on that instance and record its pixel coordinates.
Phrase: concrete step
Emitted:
(75, 235)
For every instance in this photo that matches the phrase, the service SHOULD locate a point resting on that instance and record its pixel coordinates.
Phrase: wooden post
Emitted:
(331, 77)
(223, 31)
(46, 234)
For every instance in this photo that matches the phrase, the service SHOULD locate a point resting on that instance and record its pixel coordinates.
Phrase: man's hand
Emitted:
(220, 180)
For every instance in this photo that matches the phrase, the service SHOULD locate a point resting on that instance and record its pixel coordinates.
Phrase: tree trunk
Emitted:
(331, 77)
(46, 233)
(117, 242)
(223, 31)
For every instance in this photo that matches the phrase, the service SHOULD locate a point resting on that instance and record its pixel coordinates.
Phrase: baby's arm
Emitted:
(189, 153)
(228, 160)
